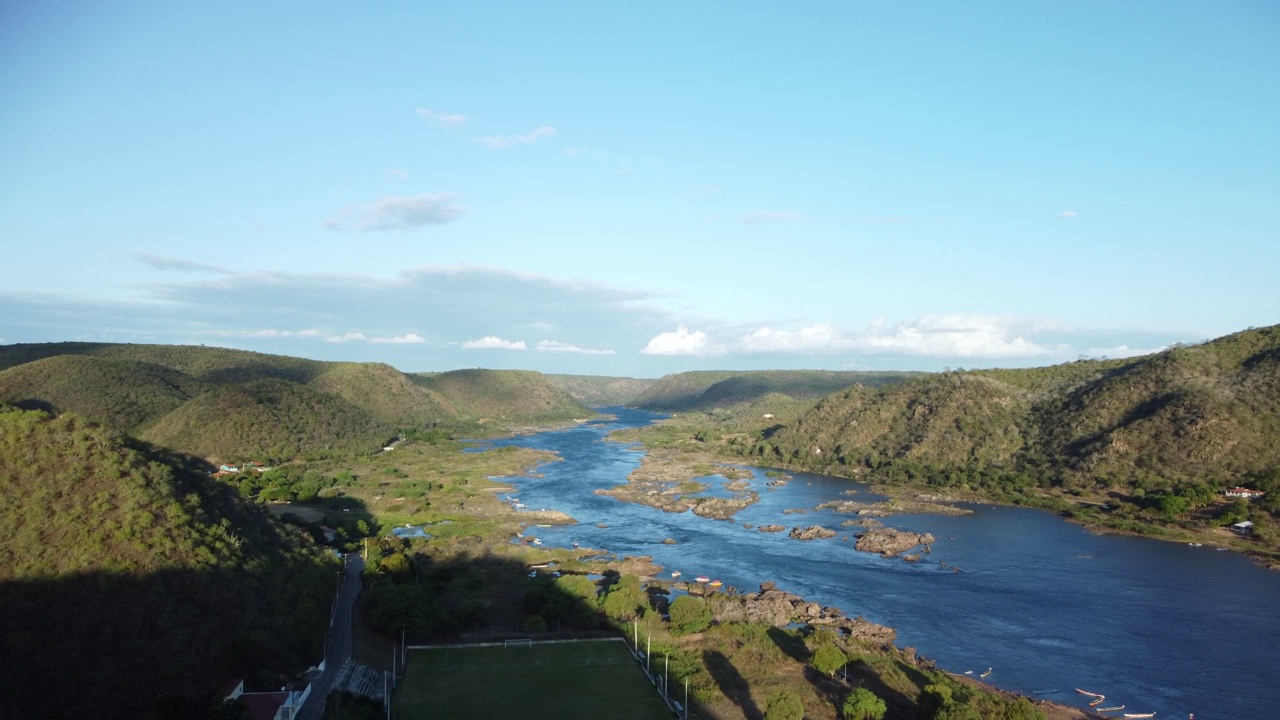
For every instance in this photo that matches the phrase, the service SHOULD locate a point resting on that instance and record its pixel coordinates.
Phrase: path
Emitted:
(338, 642)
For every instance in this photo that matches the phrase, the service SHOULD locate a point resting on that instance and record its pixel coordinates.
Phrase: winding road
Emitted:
(338, 641)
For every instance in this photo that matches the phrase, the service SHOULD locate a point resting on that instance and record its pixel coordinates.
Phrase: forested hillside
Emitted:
(126, 576)
(709, 389)
(503, 395)
(1172, 429)
(594, 390)
(230, 405)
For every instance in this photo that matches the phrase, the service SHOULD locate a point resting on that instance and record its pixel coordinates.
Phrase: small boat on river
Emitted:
(715, 583)
(1090, 694)
(1117, 708)
(988, 672)
(1097, 701)
(1046, 692)
(702, 579)
(675, 573)
(1139, 715)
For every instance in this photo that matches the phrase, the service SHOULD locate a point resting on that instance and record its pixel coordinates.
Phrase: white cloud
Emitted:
(770, 216)
(1067, 215)
(1121, 351)
(442, 119)
(505, 141)
(493, 342)
(682, 342)
(400, 213)
(346, 337)
(816, 338)
(960, 336)
(557, 346)
(159, 262)
(409, 339)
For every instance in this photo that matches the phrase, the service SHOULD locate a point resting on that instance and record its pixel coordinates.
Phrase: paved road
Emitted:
(338, 641)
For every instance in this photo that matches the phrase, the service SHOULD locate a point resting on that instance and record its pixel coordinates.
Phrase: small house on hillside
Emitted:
(1244, 528)
(1239, 492)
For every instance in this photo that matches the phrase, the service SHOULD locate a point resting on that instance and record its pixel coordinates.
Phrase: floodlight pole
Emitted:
(666, 674)
(648, 644)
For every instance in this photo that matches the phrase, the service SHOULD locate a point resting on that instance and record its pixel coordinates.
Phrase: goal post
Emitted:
(518, 642)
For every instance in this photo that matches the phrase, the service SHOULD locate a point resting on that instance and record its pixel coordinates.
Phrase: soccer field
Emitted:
(570, 681)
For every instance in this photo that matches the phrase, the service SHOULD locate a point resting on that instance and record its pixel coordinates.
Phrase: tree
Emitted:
(1022, 709)
(862, 704)
(784, 705)
(689, 615)
(827, 659)
(933, 699)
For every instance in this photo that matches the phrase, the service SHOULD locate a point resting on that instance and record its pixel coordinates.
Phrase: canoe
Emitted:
(1111, 709)
(702, 579)
(1090, 694)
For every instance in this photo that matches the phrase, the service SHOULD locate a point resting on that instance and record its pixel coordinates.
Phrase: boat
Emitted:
(1196, 544)
(1045, 692)
(702, 579)
(988, 672)
(675, 573)
(536, 541)
(1090, 694)
(1111, 709)
(1139, 715)
(968, 672)
(1097, 701)
(715, 583)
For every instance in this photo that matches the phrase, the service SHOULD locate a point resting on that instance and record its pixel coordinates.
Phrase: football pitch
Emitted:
(569, 681)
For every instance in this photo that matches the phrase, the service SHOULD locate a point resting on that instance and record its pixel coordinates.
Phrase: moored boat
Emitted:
(702, 579)
(1090, 694)
(1097, 701)
(675, 573)
(988, 672)
(715, 583)
(1139, 715)
(1117, 708)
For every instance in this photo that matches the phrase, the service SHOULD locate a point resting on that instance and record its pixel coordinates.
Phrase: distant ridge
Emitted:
(596, 390)
(227, 404)
(709, 389)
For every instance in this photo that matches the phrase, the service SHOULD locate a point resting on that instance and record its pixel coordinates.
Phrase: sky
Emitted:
(635, 190)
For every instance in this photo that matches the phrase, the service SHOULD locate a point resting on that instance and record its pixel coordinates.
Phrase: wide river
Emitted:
(1156, 626)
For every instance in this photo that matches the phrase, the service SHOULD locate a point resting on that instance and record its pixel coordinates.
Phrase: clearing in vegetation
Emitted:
(562, 681)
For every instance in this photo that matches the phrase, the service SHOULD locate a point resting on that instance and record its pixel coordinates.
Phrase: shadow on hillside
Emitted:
(789, 644)
(731, 683)
(104, 645)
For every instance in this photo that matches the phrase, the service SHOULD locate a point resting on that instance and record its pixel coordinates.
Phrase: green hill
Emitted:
(125, 576)
(595, 390)
(1189, 421)
(387, 394)
(503, 396)
(709, 389)
(122, 394)
(213, 365)
(271, 420)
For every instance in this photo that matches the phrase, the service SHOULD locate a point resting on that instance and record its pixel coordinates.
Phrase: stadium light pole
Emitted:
(666, 674)
(647, 645)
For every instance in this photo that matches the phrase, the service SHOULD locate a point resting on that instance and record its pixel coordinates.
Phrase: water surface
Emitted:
(1157, 626)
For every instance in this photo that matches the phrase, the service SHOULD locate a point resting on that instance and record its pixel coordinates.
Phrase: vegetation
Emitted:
(1142, 445)
(594, 390)
(127, 575)
(230, 404)
(708, 389)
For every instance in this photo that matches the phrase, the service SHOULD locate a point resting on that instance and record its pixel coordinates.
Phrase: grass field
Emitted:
(572, 681)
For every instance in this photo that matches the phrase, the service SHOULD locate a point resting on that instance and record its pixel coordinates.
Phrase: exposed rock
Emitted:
(779, 609)
(810, 533)
(669, 541)
(889, 541)
(772, 528)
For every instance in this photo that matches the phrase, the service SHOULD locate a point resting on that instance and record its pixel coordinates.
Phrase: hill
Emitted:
(270, 420)
(127, 576)
(1187, 423)
(709, 389)
(233, 404)
(123, 394)
(595, 390)
(503, 396)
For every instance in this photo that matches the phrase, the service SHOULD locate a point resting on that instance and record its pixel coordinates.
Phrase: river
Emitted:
(1156, 626)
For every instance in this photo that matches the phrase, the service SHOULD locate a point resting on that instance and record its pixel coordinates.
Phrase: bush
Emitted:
(689, 615)
(784, 705)
(862, 704)
(827, 659)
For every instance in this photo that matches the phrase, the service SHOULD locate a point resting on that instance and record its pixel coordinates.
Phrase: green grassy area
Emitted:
(587, 680)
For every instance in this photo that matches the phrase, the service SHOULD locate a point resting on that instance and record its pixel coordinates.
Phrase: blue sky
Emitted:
(573, 187)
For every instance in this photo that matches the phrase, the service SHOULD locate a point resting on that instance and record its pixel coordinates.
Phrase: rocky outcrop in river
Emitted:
(780, 608)
(889, 542)
(810, 533)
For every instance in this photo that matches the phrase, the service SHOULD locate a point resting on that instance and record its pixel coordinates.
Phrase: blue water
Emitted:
(1157, 626)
